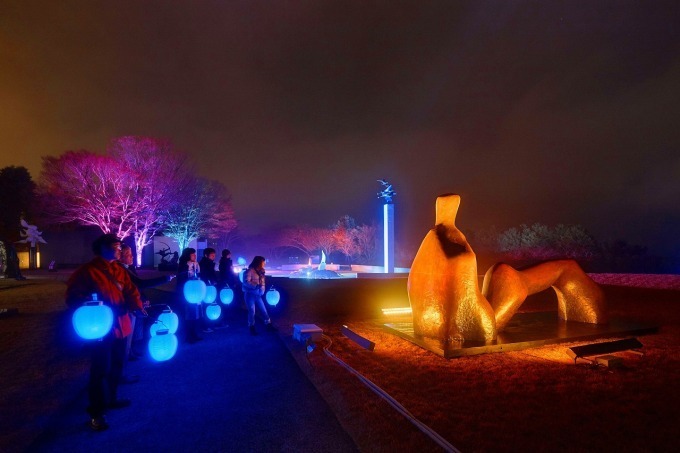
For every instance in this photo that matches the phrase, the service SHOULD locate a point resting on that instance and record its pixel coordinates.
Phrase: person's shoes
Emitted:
(253, 331)
(270, 328)
(207, 330)
(98, 424)
(129, 379)
(119, 403)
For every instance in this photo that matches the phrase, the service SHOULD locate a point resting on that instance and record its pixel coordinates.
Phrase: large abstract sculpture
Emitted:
(448, 305)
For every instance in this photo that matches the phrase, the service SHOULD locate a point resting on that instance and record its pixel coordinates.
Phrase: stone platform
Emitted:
(525, 330)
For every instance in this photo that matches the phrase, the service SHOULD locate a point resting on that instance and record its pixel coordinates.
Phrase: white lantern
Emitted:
(226, 295)
(273, 297)
(210, 294)
(213, 312)
(163, 346)
(194, 291)
(93, 320)
(167, 320)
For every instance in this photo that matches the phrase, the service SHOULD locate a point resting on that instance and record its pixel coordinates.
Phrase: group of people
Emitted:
(111, 275)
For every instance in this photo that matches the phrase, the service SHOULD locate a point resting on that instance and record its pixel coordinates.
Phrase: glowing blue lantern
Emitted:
(227, 295)
(242, 275)
(166, 320)
(210, 294)
(241, 261)
(93, 320)
(194, 291)
(213, 311)
(273, 296)
(163, 345)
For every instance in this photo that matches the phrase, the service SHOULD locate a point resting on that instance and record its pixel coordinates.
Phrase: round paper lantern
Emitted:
(170, 320)
(227, 295)
(166, 320)
(194, 291)
(241, 261)
(273, 297)
(210, 294)
(242, 275)
(213, 311)
(163, 346)
(92, 320)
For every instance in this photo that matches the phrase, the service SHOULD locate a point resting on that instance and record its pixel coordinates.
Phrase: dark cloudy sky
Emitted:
(546, 111)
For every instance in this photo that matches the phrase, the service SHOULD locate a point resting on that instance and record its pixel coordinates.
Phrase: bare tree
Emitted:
(157, 170)
(90, 189)
(202, 208)
(365, 240)
(299, 238)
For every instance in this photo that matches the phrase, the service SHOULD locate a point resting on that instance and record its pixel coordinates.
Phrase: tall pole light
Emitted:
(387, 194)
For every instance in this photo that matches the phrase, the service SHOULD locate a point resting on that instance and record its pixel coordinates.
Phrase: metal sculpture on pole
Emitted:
(387, 194)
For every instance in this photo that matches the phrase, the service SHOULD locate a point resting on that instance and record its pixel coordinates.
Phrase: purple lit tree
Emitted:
(89, 189)
(157, 170)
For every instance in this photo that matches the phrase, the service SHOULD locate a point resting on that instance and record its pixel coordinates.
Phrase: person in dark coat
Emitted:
(109, 281)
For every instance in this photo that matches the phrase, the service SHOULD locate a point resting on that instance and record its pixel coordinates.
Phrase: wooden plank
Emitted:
(358, 339)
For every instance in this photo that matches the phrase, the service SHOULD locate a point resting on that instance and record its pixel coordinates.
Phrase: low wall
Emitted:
(308, 300)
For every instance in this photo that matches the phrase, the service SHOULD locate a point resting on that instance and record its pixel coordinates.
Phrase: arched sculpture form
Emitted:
(445, 298)
(578, 297)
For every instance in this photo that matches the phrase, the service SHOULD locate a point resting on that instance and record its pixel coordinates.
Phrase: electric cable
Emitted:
(391, 401)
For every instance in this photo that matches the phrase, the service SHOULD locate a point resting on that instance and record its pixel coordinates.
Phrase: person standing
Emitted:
(188, 268)
(103, 276)
(226, 269)
(253, 290)
(126, 260)
(209, 276)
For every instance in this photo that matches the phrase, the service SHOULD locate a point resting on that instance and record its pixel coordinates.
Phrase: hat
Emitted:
(104, 240)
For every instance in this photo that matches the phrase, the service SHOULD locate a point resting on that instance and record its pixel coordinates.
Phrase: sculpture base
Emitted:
(524, 331)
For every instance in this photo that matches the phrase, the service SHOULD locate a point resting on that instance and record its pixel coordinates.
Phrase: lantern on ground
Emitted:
(273, 296)
(226, 295)
(163, 345)
(194, 291)
(93, 320)
(213, 312)
(166, 320)
(210, 294)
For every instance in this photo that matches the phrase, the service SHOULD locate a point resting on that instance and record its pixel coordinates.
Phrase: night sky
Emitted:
(547, 111)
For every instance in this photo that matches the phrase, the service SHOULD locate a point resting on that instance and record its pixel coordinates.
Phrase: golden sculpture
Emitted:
(448, 305)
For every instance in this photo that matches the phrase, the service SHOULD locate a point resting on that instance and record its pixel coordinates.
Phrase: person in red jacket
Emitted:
(112, 284)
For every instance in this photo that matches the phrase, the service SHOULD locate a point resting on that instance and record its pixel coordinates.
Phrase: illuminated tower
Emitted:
(387, 194)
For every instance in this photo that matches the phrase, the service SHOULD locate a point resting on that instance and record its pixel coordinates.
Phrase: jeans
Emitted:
(253, 298)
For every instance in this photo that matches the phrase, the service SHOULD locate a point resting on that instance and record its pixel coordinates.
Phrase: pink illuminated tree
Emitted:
(157, 171)
(89, 189)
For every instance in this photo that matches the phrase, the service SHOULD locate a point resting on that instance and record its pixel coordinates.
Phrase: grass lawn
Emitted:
(536, 399)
